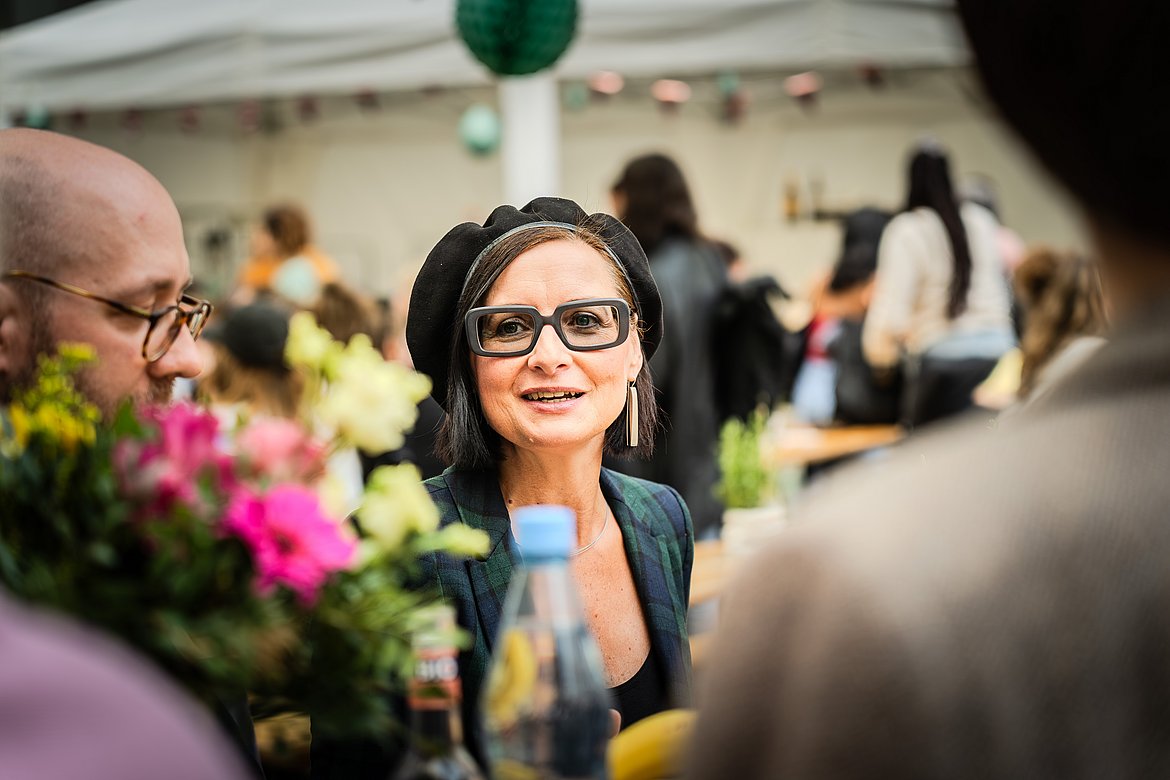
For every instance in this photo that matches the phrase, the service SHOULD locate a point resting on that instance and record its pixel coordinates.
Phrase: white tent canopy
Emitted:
(153, 53)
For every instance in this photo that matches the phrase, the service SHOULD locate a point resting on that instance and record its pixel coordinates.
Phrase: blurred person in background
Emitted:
(940, 311)
(76, 704)
(992, 602)
(832, 340)
(861, 396)
(344, 312)
(284, 260)
(1063, 317)
(249, 374)
(981, 190)
(652, 198)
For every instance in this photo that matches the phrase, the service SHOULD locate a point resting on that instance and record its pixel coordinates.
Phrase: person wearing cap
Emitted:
(536, 327)
(250, 375)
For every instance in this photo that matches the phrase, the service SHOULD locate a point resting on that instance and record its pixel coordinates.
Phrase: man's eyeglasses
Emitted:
(165, 324)
(583, 326)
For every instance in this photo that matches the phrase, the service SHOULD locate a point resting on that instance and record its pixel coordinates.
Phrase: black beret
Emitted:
(432, 320)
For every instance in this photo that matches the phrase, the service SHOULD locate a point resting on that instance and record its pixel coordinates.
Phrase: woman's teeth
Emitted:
(551, 397)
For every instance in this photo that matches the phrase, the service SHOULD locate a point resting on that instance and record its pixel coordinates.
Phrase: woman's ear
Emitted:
(637, 358)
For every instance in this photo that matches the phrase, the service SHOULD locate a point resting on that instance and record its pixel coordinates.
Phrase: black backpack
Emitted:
(751, 349)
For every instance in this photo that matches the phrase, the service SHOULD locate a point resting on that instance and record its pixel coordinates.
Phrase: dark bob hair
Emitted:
(465, 439)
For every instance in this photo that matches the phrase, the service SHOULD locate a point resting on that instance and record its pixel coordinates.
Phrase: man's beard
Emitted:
(88, 380)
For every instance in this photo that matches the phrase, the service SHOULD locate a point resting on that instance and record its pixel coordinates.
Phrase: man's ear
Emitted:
(10, 327)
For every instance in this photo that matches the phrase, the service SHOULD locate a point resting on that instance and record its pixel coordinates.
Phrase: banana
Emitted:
(652, 748)
(512, 680)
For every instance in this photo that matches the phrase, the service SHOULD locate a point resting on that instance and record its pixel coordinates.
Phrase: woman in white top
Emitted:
(941, 307)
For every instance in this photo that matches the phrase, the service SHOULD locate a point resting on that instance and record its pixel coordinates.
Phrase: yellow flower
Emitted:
(396, 504)
(309, 346)
(21, 425)
(76, 353)
(371, 402)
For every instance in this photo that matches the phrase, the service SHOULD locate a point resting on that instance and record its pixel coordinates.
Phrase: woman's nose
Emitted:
(550, 353)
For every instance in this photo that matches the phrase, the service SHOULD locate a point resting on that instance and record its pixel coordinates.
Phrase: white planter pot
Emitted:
(744, 530)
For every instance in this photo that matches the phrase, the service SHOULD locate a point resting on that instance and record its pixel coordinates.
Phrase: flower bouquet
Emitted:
(226, 554)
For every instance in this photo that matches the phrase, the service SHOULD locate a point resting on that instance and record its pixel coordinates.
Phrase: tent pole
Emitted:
(531, 137)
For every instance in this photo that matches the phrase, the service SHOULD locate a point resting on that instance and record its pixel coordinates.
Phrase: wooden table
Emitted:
(801, 445)
(710, 571)
(709, 576)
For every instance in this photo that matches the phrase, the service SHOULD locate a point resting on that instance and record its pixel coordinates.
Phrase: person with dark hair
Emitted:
(861, 397)
(652, 198)
(941, 310)
(284, 259)
(992, 602)
(530, 412)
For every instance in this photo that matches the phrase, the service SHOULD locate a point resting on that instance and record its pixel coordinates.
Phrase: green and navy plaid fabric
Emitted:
(659, 541)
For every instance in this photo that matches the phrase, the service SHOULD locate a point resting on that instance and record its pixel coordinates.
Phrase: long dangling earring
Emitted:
(632, 416)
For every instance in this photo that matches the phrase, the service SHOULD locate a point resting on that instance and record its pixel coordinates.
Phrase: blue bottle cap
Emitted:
(545, 530)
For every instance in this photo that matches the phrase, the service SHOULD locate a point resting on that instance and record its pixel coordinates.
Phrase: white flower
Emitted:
(395, 504)
(309, 346)
(371, 402)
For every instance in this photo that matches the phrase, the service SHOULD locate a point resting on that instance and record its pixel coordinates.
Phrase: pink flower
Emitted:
(292, 542)
(167, 469)
(281, 451)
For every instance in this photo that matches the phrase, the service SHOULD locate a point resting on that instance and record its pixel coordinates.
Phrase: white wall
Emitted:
(383, 186)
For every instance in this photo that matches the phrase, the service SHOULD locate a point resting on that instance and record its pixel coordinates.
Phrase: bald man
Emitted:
(91, 250)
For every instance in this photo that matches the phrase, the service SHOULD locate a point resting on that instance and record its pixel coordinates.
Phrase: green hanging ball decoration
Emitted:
(516, 37)
(479, 130)
(727, 83)
(575, 96)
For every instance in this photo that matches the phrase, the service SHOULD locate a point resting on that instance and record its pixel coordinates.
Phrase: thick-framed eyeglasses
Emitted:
(165, 324)
(583, 326)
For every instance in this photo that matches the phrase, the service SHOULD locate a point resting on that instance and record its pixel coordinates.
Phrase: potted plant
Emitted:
(747, 485)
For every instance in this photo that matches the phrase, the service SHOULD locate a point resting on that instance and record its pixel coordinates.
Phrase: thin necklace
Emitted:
(580, 550)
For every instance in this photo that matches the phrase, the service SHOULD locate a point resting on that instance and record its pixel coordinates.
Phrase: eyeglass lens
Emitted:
(166, 329)
(592, 326)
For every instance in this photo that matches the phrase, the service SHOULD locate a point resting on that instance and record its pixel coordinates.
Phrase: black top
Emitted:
(643, 694)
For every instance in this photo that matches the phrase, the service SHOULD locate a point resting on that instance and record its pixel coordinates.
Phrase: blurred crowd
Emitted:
(928, 311)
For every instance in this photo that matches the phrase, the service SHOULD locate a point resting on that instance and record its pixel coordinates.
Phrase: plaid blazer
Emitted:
(659, 542)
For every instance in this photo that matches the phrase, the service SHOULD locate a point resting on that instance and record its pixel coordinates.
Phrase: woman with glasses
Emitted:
(536, 328)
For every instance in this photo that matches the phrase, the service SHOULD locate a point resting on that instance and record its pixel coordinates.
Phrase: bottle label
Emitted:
(436, 680)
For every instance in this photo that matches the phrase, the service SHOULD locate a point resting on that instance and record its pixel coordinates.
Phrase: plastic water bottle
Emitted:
(545, 705)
